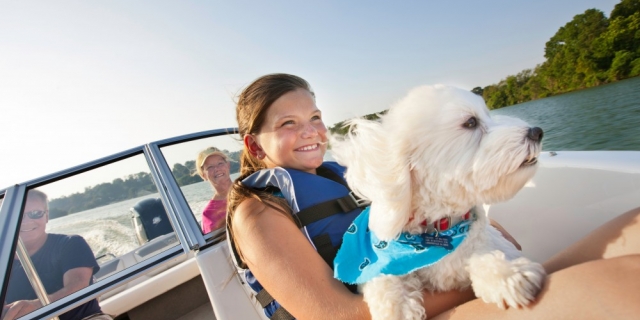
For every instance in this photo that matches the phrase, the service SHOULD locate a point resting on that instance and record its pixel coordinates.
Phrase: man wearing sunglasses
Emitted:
(64, 263)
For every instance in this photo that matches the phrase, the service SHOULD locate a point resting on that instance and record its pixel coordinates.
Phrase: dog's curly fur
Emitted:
(438, 153)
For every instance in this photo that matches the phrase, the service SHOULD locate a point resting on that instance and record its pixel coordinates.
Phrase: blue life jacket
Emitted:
(323, 205)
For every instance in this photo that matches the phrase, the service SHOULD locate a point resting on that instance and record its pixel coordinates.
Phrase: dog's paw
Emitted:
(506, 283)
(394, 297)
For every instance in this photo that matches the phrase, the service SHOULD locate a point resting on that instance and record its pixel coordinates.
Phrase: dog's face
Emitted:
(458, 154)
(436, 152)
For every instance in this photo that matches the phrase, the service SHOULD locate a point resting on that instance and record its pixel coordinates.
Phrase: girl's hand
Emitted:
(505, 234)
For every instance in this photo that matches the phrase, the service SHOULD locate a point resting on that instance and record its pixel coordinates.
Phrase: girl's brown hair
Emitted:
(251, 110)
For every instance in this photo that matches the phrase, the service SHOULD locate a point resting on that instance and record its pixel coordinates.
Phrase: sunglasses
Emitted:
(35, 214)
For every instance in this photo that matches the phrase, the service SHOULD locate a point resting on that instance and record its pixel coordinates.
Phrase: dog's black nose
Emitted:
(535, 134)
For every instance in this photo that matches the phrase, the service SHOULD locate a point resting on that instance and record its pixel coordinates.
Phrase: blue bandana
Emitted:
(363, 256)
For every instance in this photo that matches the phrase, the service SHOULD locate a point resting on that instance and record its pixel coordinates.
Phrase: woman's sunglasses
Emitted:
(35, 214)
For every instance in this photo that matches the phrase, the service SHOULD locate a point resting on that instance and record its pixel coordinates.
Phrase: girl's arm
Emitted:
(286, 264)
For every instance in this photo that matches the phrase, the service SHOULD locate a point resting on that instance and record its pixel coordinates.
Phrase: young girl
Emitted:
(282, 128)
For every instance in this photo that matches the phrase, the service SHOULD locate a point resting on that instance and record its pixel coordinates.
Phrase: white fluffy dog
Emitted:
(434, 156)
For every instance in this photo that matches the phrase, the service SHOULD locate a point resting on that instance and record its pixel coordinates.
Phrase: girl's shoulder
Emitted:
(251, 211)
(249, 207)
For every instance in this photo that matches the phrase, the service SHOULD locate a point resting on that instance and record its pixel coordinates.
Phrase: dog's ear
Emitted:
(391, 209)
(377, 170)
(360, 150)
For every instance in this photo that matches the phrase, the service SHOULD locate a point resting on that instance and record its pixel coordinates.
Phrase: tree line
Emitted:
(129, 187)
(587, 51)
(132, 186)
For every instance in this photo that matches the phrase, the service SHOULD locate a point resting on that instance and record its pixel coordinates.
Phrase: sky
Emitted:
(81, 80)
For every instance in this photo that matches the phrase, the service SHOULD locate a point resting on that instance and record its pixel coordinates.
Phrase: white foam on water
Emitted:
(109, 236)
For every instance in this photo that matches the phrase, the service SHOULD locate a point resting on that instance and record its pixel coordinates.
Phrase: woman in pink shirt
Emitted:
(214, 166)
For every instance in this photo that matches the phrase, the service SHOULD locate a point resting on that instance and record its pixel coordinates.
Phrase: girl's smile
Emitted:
(309, 148)
(293, 134)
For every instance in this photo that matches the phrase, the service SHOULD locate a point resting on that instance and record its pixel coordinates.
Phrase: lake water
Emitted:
(109, 229)
(601, 118)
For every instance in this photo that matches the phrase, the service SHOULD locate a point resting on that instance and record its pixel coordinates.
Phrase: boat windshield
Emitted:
(96, 213)
(204, 170)
(126, 219)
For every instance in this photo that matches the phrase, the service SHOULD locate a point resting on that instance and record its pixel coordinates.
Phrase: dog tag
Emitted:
(438, 241)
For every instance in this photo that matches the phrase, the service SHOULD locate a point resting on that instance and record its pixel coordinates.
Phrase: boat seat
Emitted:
(109, 268)
(156, 245)
(227, 293)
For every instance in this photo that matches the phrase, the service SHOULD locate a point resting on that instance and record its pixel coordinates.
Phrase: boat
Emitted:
(181, 273)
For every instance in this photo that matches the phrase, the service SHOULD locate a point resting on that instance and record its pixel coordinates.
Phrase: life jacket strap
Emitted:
(264, 298)
(328, 208)
(281, 314)
(325, 248)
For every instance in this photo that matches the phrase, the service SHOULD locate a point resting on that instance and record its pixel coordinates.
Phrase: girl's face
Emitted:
(293, 134)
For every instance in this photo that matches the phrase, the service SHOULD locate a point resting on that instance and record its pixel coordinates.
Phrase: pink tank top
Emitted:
(213, 215)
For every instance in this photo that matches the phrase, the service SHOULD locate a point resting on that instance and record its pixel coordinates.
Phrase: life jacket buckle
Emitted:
(359, 202)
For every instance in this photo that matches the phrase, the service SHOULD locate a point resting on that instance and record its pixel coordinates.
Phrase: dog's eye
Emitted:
(471, 123)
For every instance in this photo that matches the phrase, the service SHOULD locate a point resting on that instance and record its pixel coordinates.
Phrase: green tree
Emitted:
(625, 9)
(180, 170)
(495, 95)
(570, 63)
(619, 47)
(622, 65)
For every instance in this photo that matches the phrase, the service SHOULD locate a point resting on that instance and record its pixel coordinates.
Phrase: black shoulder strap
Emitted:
(322, 210)
(328, 208)
(330, 174)
(264, 298)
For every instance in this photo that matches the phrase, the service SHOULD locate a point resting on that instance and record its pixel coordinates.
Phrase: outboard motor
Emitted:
(150, 220)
